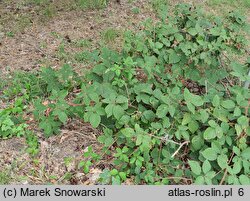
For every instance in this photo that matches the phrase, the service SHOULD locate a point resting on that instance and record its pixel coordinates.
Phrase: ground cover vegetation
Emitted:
(171, 104)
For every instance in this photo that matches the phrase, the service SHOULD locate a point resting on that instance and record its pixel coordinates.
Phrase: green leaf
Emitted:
(114, 172)
(95, 120)
(209, 154)
(209, 133)
(200, 180)
(186, 119)
(244, 180)
(162, 111)
(216, 101)
(237, 111)
(171, 110)
(197, 142)
(211, 174)
(173, 57)
(246, 153)
(123, 175)
(62, 116)
(192, 31)
(228, 104)
(243, 121)
(158, 45)
(178, 37)
(191, 107)
(195, 167)
(204, 116)
(149, 115)
(212, 123)
(86, 167)
(118, 111)
(108, 141)
(139, 139)
(206, 166)
(237, 167)
(193, 126)
(109, 110)
(192, 98)
(219, 132)
(121, 99)
(222, 161)
(128, 132)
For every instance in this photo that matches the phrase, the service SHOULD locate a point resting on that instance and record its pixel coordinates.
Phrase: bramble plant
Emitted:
(11, 123)
(171, 104)
(164, 131)
(92, 158)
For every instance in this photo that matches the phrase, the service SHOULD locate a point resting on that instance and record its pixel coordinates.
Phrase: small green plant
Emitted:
(52, 114)
(11, 123)
(4, 177)
(113, 177)
(91, 158)
(8, 128)
(62, 54)
(25, 84)
(49, 11)
(32, 142)
(241, 3)
(10, 34)
(92, 4)
(110, 35)
(159, 6)
(22, 22)
(39, 2)
(83, 43)
(135, 10)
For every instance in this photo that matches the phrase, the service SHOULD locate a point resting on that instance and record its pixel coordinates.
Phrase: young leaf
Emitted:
(246, 153)
(199, 180)
(109, 110)
(192, 31)
(193, 126)
(192, 98)
(209, 154)
(244, 180)
(216, 101)
(222, 161)
(173, 57)
(95, 120)
(228, 104)
(191, 107)
(206, 166)
(62, 116)
(195, 167)
(118, 111)
(162, 111)
(128, 132)
(209, 133)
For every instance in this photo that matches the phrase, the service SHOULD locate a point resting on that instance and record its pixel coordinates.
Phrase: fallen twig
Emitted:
(176, 152)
